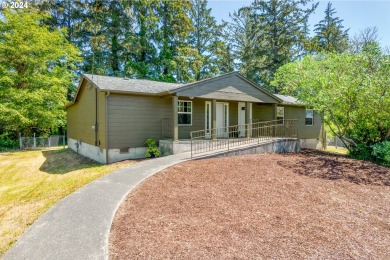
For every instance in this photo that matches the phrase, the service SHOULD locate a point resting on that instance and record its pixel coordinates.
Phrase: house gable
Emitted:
(232, 86)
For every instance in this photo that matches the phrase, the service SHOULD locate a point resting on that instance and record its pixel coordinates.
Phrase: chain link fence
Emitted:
(334, 141)
(29, 143)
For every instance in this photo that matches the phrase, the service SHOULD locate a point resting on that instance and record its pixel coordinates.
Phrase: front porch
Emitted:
(233, 137)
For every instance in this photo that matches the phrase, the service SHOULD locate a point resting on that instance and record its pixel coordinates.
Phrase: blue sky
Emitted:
(357, 15)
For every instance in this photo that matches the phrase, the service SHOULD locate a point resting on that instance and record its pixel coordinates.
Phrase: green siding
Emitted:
(262, 112)
(233, 113)
(133, 119)
(304, 132)
(81, 116)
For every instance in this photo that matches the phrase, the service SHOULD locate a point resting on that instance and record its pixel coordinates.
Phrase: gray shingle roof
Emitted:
(130, 85)
(288, 99)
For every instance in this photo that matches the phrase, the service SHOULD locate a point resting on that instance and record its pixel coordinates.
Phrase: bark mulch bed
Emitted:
(309, 205)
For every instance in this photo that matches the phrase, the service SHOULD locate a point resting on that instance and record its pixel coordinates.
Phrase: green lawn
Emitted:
(334, 149)
(33, 181)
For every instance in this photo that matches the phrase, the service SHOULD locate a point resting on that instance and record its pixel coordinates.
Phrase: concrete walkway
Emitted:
(78, 227)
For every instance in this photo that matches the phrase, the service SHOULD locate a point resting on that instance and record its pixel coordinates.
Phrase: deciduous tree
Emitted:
(350, 90)
(34, 72)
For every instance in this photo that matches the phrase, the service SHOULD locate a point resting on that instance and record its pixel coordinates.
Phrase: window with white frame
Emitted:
(184, 112)
(309, 117)
(280, 113)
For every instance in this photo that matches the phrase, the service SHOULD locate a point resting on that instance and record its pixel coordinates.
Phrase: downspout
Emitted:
(107, 144)
(96, 117)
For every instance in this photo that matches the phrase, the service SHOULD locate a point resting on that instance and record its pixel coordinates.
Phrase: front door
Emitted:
(222, 119)
(241, 118)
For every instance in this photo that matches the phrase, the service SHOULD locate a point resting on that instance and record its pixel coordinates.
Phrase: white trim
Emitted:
(312, 117)
(225, 119)
(208, 129)
(226, 106)
(178, 112)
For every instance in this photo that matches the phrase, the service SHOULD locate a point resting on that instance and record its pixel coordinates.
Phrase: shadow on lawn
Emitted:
(64, 161)
(318, 164)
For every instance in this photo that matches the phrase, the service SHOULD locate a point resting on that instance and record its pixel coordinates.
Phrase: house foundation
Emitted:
(168, 147)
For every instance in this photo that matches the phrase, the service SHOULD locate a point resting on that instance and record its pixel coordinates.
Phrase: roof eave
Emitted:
(293, 105)
(134, 92)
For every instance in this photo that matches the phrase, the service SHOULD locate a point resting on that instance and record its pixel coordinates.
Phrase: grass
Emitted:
(33, 181)
(334, 149)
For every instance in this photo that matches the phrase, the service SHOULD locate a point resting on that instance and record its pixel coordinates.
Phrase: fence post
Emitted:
(228, 137)
(20, 141)
(50, 141)
(35, 142)
(63, 140)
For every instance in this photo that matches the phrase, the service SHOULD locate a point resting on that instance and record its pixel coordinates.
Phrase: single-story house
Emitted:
(110, 118)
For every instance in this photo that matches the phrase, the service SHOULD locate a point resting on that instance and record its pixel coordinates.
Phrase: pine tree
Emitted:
(140, 48)
(205, 38)
(174, 28)
(104, 28)
(330, 34)
(282, 28)
(240, 35)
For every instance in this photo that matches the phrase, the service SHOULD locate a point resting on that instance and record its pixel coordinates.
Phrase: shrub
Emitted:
(361, 152)
(378, 153)
(152, 150)
(6, 142)
(381, 152)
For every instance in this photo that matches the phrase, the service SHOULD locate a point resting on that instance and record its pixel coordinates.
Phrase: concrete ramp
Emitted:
(289, 145)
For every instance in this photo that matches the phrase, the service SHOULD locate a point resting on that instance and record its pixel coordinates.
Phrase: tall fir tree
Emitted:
(206, 38)
(174, 28)
(104, 29)
(330, 35)
(241, 38)
(140, 48)
(282, 28)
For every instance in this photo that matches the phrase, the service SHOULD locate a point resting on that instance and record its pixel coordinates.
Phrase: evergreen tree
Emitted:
(140, 48)
(206, 39)
(281, 28)
(174, 28)
(64, 14)
(330, 34)
(241, 37)
(104, 28)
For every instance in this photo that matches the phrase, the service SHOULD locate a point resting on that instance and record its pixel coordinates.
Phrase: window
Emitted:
(309, 117)
(184, 112)
(280, 114)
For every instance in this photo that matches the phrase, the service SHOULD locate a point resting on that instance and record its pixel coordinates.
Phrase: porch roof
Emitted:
(231, 86)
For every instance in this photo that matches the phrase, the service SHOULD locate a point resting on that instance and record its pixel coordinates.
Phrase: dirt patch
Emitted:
(330, 166)
(307, 205)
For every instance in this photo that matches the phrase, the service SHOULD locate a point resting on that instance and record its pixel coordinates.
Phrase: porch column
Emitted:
(214, 118)
(274, 114)
(175, 127)
(247, 118)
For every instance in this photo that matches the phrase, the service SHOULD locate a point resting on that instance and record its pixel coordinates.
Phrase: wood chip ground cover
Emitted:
(310, 205)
